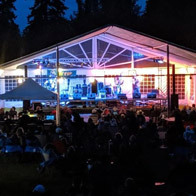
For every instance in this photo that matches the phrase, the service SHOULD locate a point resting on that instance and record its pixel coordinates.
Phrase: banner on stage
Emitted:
(71, 73)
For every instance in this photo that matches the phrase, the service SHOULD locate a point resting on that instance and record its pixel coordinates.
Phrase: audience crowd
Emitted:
(112, 153)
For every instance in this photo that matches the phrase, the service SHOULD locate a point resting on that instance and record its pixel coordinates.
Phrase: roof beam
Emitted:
(74, 56)
(104, 54)
(150, 50)
(113, 57)
(130, 45)
(129, 62)
(84, 53)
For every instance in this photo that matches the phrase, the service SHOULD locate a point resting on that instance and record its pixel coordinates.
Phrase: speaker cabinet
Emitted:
(84, 91)
(122, 96)
(26, 105)
(35, 104)
(94, 87)
(77, 96)
(136, 95)
(92, 96)
(151, 95)
(64, 96)
(174, 101)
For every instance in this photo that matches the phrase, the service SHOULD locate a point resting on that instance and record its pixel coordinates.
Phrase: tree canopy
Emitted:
(48, 22)
(9, 32)
(171, 20)
(96, 13)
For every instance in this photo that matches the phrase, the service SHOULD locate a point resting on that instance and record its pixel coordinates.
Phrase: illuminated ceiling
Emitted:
(107, 47)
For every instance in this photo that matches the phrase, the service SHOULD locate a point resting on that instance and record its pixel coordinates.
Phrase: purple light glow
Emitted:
(22, 11)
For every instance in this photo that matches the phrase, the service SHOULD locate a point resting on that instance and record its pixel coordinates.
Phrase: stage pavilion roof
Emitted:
(107, 47)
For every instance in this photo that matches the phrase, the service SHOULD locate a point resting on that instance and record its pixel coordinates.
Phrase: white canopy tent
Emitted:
(29, 90)
(107, 47)
(134, 41)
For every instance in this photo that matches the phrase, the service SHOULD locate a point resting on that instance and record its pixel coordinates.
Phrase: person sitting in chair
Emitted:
(12, 113)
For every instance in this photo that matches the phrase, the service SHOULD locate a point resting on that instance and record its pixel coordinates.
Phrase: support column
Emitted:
(26, 103)
(194, 78)
(174, 96)
(132, 60)
(94, 52)
(174, 79)
(58, 120)
(25, 72)
(168, 83)
(132, 68)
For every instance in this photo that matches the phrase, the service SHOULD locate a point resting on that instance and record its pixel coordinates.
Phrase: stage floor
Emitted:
(86, 117)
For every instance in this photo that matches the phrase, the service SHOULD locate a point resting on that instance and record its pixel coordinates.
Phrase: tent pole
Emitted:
(26, 103)
(168, 83)
(58, 121)
(26, 71)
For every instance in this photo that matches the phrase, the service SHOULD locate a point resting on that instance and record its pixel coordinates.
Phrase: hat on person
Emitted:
(122, 115)
(58, 130)
(129, 182)
(140, 112)
(106, 111)
(94, 111)
(115, 108)
(39, 189)
(188, 128)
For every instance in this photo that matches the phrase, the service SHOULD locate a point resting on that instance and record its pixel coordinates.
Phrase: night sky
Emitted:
(22, 10)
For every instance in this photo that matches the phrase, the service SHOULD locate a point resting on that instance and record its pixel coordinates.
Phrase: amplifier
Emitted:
(174, 101)
(151, 95)
(64, 96)
(77, 96)
(84, 91)
(91, 96)
(136, 95)
(122, 96)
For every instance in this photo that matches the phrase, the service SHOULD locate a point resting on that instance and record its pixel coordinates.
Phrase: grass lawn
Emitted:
(19, 178)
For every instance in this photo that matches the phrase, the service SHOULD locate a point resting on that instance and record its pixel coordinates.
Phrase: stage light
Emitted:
(160, 61)
(1, 71)
(19, 72)
(60, 80)
(91, 79)
(191, 70)
(60, 70)
(37, 71)
(20, 80)
(182, 70)
(140, 78)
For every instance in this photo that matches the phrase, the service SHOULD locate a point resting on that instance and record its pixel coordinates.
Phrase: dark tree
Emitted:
(124, 12)
(96, 13)
(172, 20)
(80, 12)
(92, 6)
(9, 32)
(46, 24)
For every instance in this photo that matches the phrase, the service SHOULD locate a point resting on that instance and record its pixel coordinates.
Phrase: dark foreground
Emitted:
(114, 153)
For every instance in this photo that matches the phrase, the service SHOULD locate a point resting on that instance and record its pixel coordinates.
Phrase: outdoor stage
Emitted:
(86, 117)
(137, 102)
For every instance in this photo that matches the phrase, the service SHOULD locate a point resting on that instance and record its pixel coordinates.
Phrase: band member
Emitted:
(118, 81)
(136, 85)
